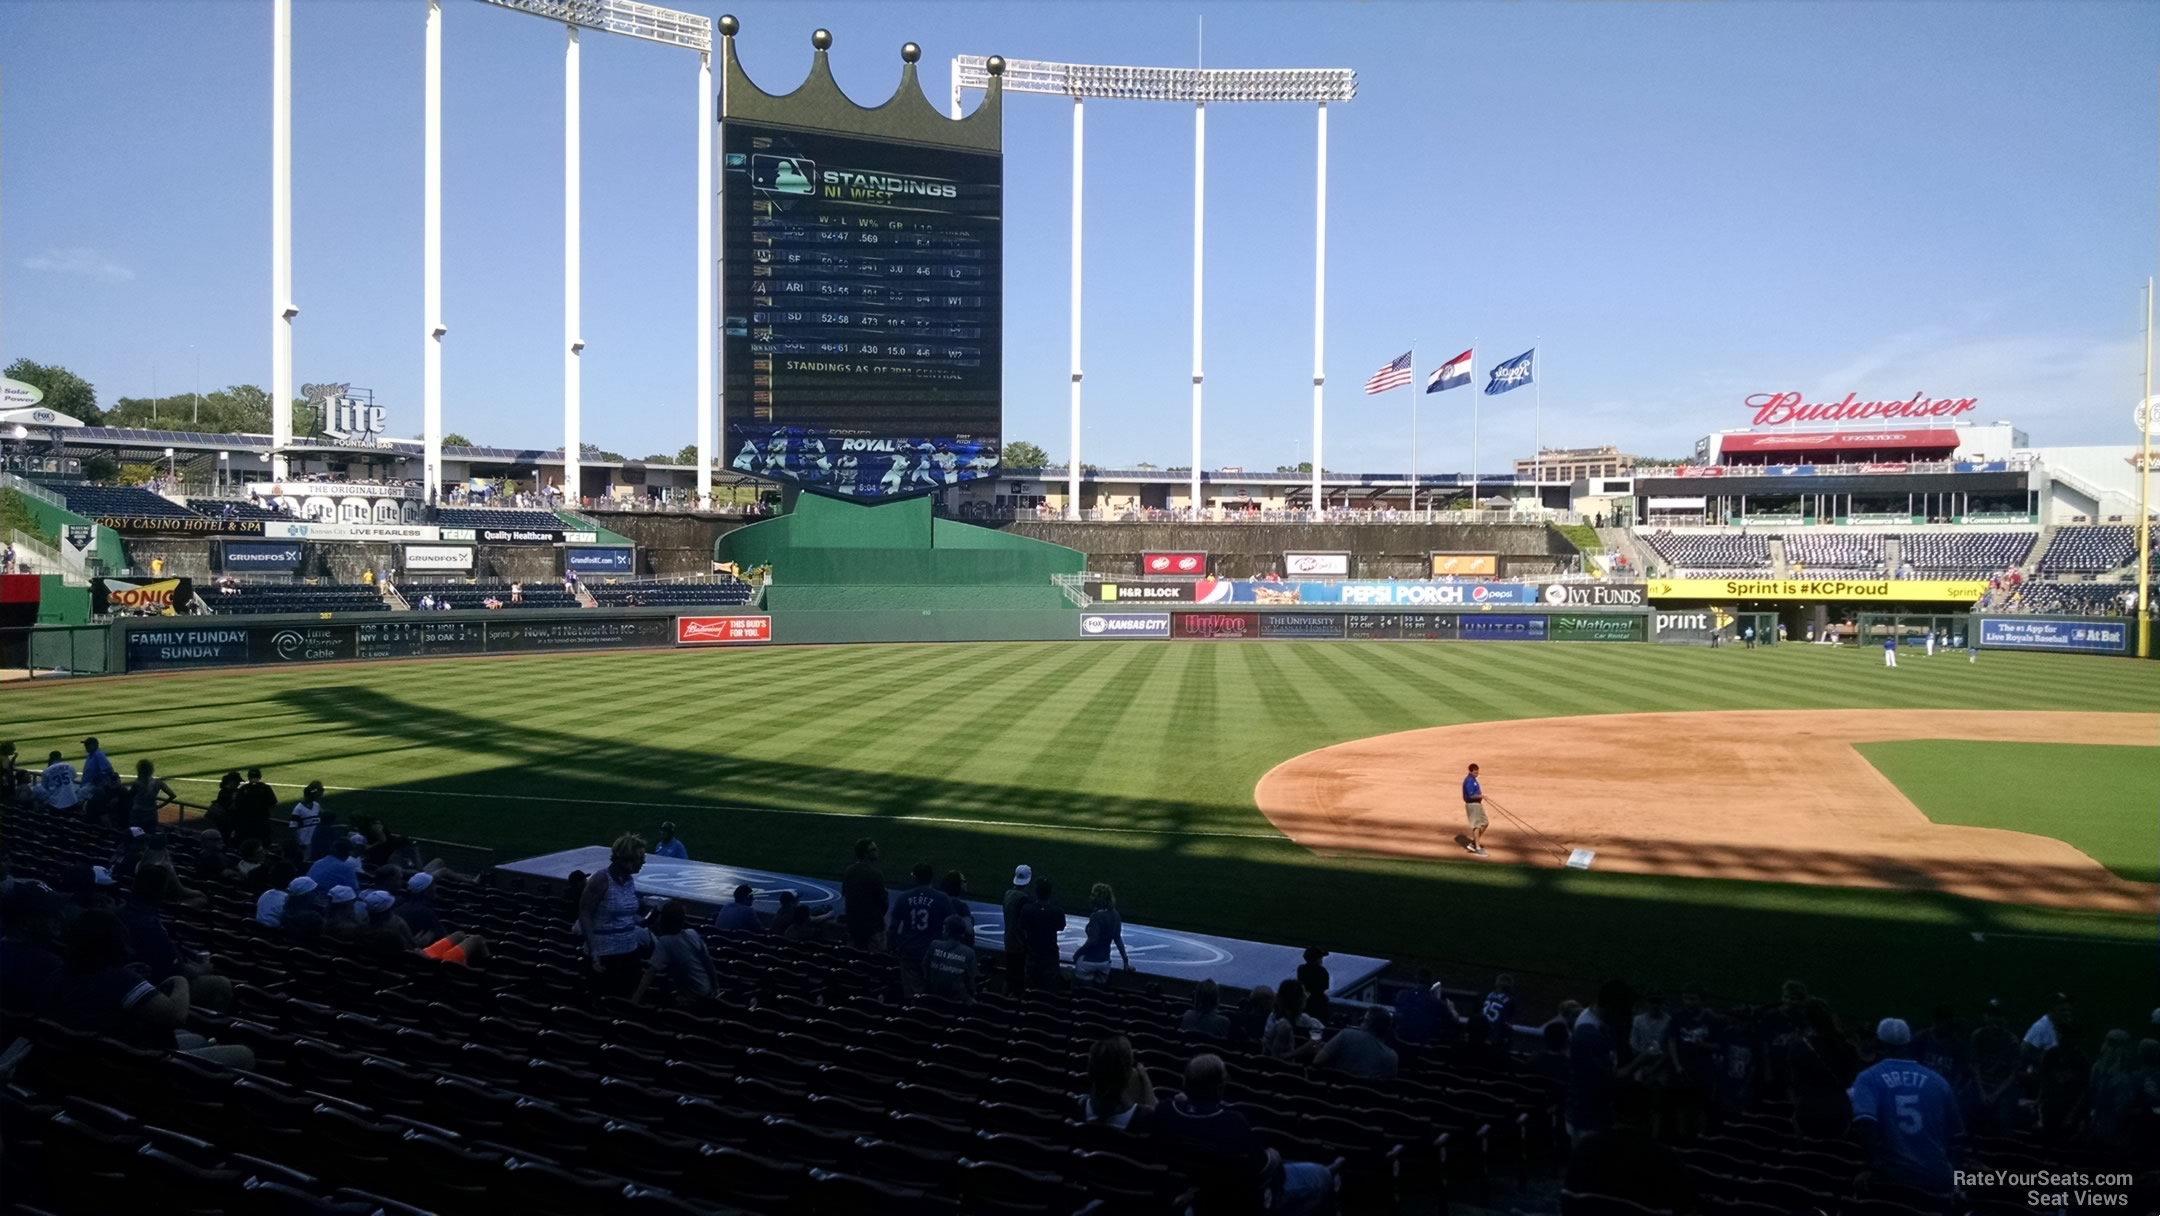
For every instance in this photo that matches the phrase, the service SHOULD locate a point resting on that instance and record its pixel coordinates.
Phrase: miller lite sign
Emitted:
(347, 416)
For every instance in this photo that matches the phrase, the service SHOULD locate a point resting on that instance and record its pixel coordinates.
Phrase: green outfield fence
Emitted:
(44, 652)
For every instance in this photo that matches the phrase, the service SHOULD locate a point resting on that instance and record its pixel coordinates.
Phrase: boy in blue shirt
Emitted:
(1906, 1115)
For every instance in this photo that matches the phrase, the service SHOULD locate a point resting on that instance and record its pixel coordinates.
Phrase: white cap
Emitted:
(341, 894)
(420, 882)
(1893, 1032)
(378, 901)
(302, 885)
(1022, 876)
(101, 876)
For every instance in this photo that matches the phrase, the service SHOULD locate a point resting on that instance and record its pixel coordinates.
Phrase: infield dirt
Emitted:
(1771, 795)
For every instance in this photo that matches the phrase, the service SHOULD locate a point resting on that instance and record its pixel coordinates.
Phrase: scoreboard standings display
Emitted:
(861, 305)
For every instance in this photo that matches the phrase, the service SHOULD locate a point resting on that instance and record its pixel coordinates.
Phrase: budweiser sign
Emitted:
(1776, 409)
(721, 630)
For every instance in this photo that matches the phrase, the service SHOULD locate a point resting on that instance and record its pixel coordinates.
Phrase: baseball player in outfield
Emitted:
(1889, 650)
(1473, 797)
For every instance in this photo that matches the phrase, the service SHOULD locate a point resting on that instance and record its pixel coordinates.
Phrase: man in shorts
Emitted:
(1473, 796)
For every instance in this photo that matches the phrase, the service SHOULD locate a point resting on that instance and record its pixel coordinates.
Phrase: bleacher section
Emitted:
(495, 517)
(640, 593)
(2089, 549)
(2039, 598)
(118, 501)
(249, 598)
(224, 508)
(1711, 553)
(1834, 552)
(476, 595)
(1955, 554)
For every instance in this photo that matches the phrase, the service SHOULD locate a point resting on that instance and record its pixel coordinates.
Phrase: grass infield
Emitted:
(2103, 800)
(1131, 763)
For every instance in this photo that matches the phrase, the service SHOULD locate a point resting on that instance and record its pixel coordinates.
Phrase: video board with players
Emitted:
(861, 310)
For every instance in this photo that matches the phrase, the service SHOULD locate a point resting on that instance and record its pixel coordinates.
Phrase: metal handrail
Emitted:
(23, 485)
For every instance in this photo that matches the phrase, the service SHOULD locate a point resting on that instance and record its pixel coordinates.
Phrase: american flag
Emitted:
(1392, 375)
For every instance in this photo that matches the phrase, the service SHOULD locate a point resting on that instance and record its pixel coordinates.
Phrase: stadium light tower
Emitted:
(632, 20)
(1196, 87)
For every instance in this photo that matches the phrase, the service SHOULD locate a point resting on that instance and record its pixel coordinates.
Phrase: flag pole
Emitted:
(1475, 393)
(1537, 426)
(1416, 390)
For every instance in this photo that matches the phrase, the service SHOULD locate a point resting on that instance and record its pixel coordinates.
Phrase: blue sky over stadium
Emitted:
(1683, 204)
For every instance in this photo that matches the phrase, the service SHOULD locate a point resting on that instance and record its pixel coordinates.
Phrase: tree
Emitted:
(1020, 454)
(65, 392)
(686, 455)
(1302, 466)
(1145, 467)
(240, 409)
(455, 439)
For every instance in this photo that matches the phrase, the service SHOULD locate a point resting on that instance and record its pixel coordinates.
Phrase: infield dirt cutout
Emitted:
(1770, 795)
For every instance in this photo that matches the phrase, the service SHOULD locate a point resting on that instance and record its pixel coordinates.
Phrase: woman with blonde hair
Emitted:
(1105, 928)
(611, 921)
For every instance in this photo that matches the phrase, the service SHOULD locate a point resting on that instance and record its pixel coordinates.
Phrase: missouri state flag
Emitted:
(1512, 374)
(1452, 374)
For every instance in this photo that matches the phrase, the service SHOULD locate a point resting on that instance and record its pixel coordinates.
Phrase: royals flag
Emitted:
(1393, 374)
(1452, 374)
(1512, 374)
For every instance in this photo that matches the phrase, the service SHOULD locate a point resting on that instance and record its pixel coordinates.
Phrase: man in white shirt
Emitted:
(2046, 1032)
(57, 783)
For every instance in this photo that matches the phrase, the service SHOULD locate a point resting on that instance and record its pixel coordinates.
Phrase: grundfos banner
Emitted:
(1100, 625)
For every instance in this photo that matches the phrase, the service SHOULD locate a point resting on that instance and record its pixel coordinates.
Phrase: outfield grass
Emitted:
(2103, 800)
(1127, 762)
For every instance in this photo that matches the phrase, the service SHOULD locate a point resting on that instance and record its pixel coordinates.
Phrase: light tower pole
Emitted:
(282, 310)
(1196, 87)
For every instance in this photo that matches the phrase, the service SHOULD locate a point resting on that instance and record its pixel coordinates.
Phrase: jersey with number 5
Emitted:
(1916, 1116)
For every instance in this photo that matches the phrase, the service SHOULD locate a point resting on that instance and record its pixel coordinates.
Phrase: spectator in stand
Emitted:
(1289, 1034)
(1905, 1116)
(1646, 1043)
(306, 815)
(1423, 1016)
(609, 918)
(219, 814)
(1819, 1068)
(1105, 928)
(1117, 1088)
(862, 889)
(337, 868)
(1594, 1069)
(1625, 1161)
(342, 914)
(1943, 1047)
(98, 774)
(669, 845)
(29, 970)
(949, 968)
(1254, 1013)
(1233, 1170)
(253, 806)
(464, 949)
(98, 992)
(679, 955)
(57, 783)
(212, 863)
(418, 908)
(278, 884)
(306, 909)
(1045, 924)
(1550, 1060)
(250, 868)
(954, 885)
(2063, 1072)
(1017, 899)
(918, 921)
(153, 947)
(2047, 1030)
(148, 796)
(1364, 1052)
(1691, 1047)
(384, 931)
(1313, 974)
(1496, 1014)
(741, 915)
(2112, 1092)
(1202, 1019)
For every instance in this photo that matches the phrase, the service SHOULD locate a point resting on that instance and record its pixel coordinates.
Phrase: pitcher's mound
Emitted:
(1772, 795)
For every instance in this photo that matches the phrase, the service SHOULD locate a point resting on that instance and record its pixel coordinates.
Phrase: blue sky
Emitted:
(1682, 203)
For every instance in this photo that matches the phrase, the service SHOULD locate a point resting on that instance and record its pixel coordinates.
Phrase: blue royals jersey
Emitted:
(1916, 1116)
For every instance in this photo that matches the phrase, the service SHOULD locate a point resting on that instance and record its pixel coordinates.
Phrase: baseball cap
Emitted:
(1893, 1032)
(135, 832)
(358, 841)
(378, 901)
(1022, 876)
(302, 885)
(420, 882)
(341, 894)
(101, 876)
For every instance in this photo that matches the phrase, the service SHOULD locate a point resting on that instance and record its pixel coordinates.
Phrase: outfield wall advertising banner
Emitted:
(1379, 594)
(607, 559)
(1316, 565)
(1302, 625)
(263, 555)
(1598, 595)
(2029, 633)
(1596, 627)
(1690, 627)
(1125, 625)
(1215, 625)
(1885, 591)
(1173, 563)
(295, 529)
(1140, 593)
(182, 525)
(134, 596)
(1465, 565)
(178, 647)
(1511, 628)
(439, 558)
(722, 630)
(1393, 626)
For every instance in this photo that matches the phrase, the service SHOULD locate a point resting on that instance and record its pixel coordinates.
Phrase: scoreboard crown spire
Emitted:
(819, 102)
